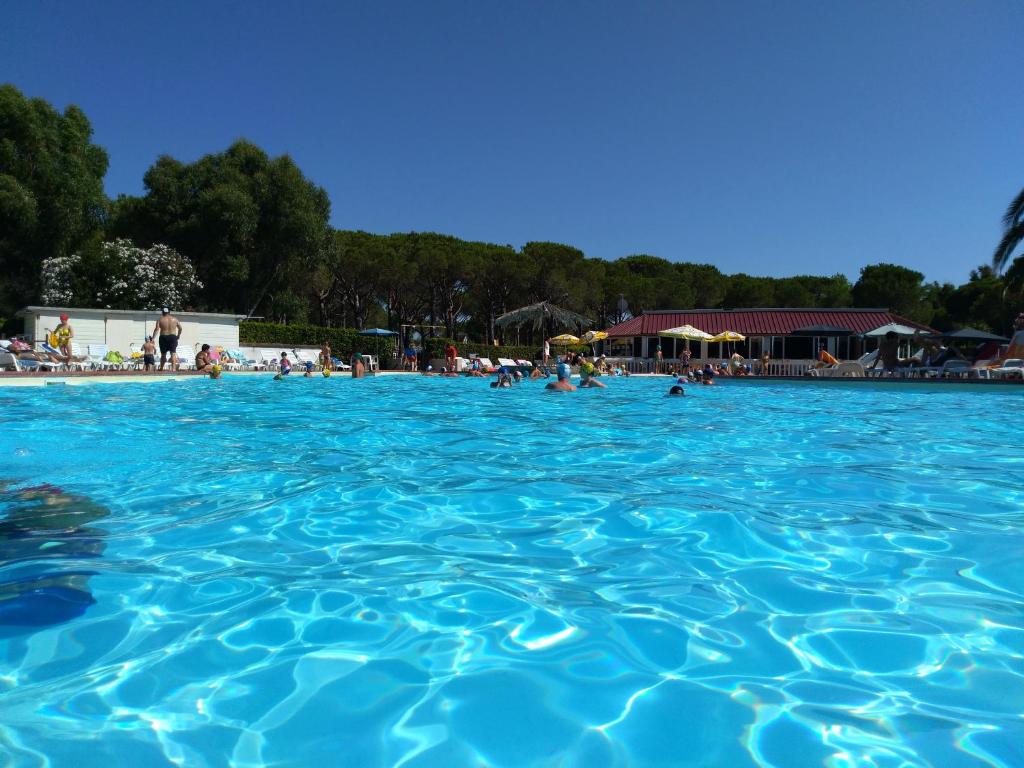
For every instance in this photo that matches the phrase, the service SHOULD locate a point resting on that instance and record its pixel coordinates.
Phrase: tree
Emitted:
(747, 291)
(893, 287)
(1013, 232)
(254, 226)
(119, 275)
(706, 282)
(51, 190)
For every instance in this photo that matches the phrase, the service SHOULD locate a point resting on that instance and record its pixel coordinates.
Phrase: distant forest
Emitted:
(242, 232)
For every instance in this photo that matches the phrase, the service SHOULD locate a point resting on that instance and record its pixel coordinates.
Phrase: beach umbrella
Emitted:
(822, 330)
(726, 336)
(687, 332)
(590, 337)
(564, 340)
(376, 333)
(897, 328)
(973, 334)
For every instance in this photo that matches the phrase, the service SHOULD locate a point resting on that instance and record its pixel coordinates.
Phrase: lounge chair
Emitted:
(303, 356)
(96, 356)
(10, 360)
(485, 364)
(1012, 368)
(243, 360)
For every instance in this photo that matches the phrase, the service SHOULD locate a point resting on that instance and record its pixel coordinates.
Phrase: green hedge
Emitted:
(435, 350)
(343, 341)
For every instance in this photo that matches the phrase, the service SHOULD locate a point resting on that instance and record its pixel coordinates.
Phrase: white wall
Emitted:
(125, 332)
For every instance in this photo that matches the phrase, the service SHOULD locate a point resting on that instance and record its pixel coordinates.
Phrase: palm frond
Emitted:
(1011, 239)
(539, 314)
(1015, 211)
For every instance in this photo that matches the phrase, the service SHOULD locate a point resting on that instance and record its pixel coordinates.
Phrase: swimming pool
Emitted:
(426, 572)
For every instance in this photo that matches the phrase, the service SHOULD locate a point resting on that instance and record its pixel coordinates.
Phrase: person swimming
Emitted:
(563, 384)
(504, 379)
(676, 390)
(587, 378)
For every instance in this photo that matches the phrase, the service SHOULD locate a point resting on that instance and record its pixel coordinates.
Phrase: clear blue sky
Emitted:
(774, 138)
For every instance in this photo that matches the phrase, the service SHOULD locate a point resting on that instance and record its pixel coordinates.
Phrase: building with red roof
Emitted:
(783, 333)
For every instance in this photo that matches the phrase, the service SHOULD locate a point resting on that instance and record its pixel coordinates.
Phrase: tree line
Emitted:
(250, 234)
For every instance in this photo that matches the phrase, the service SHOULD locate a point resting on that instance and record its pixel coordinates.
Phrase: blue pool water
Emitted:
(425, 572)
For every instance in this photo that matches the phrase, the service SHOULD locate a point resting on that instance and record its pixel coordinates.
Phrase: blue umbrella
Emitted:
(377, 333)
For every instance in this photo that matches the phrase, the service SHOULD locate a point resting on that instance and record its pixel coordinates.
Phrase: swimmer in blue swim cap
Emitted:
(563, 384)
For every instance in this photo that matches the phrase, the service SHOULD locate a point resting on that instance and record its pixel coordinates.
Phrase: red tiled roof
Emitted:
(759, 322)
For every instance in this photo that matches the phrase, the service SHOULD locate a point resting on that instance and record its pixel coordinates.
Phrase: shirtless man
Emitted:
(564, 384)
(168, 331)
(358, 369)
(326, 361)
(888, 353)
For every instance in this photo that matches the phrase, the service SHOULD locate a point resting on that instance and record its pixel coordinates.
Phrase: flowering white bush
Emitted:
(122, 276)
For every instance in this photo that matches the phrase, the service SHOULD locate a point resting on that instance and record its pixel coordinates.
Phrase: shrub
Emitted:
(343, 341)
(435, 350)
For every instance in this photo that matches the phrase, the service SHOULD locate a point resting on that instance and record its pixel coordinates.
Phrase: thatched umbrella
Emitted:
(541, 316)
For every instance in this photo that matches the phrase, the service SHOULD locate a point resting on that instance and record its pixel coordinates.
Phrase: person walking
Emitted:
(168, 331)
(64, 334)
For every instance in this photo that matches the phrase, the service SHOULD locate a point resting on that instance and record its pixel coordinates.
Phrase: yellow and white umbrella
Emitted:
(565, 340)
(728, 336)
(687, 332)
(591, 337)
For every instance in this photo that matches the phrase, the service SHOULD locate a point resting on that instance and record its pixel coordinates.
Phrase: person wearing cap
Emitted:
(64, 334)
(168, 331)
(563, 384)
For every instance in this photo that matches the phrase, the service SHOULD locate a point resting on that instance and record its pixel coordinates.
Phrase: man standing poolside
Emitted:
(168, 331)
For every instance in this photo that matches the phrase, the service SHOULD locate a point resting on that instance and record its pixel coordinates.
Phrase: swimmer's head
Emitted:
(564, 371)
(676, 390)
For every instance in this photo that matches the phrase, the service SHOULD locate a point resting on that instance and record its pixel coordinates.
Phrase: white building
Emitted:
(126, 330)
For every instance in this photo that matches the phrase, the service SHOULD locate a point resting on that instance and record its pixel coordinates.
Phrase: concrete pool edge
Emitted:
(88, 378)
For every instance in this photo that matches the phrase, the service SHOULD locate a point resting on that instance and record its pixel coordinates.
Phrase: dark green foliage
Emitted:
(890, 286)
(252, 225)
(434, 348)
(343, 341)
(51, 190)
